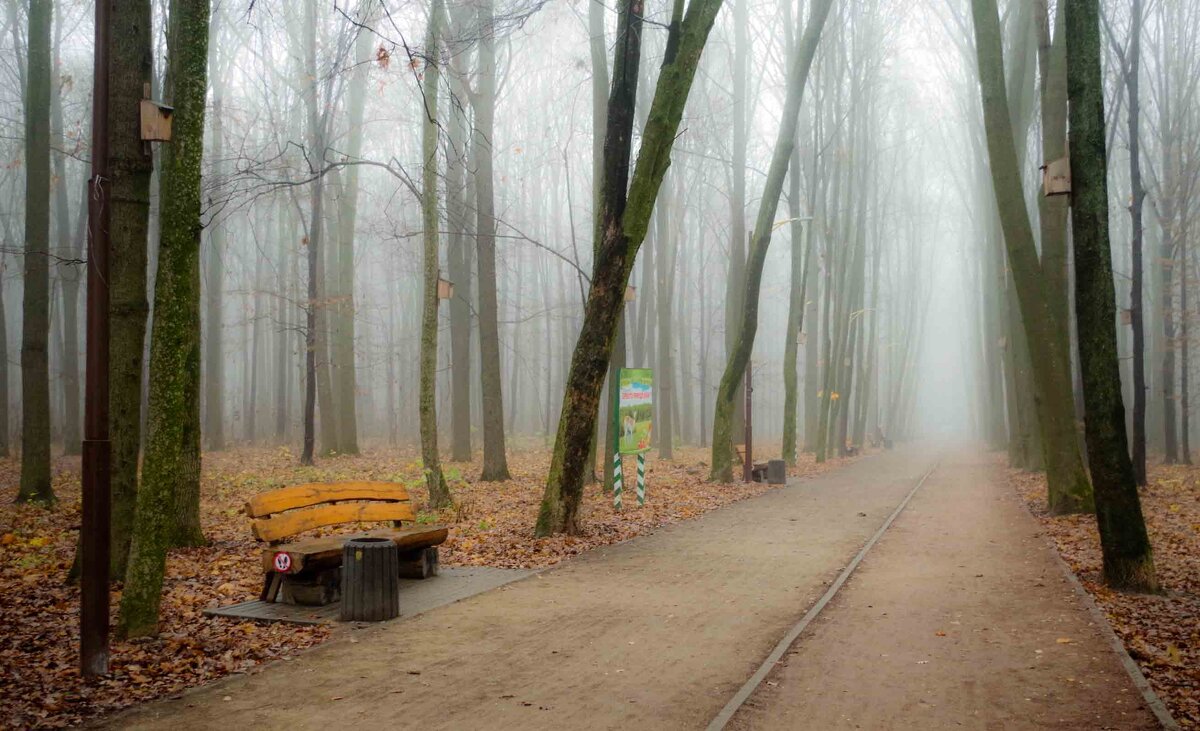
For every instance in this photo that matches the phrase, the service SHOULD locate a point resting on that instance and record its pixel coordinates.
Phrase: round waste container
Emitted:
(370, 580)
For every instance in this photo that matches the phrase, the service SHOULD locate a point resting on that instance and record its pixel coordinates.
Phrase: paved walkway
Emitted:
(960, 617)
(662, 631)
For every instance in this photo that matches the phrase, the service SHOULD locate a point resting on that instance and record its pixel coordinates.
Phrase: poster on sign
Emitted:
(635, 408)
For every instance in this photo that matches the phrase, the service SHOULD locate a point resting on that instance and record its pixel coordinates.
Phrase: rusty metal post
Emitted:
(97, 449)
(748, 464)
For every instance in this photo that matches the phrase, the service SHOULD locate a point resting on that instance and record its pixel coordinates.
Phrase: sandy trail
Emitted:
(661, 632)
(959, 617)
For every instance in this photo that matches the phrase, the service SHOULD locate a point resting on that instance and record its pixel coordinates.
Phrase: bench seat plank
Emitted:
(328, 549)
(297, 521)
(316, 493)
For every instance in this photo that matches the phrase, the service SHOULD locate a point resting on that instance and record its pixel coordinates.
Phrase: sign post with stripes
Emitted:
(632, 425)
(641, 483)
(617, 481)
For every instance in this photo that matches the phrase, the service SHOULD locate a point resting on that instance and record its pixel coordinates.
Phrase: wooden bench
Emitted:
(309, 570)
(758, 471)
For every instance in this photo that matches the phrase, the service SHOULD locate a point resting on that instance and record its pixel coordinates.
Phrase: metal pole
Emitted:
(748, 465)
(97, 450)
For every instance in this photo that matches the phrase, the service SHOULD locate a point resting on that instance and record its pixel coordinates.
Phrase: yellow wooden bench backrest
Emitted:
(287, 511)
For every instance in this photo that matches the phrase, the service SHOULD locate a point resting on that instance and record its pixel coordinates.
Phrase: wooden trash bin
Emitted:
(370, 580)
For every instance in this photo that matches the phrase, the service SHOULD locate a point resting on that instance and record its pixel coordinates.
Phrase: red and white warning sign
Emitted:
(283, 562)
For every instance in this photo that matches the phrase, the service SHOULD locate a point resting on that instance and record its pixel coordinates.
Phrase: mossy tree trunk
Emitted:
(1128, 560)
(132, 166)
(35, 311)
(785, 143)
(623, 231)
(173, 426)
(1069, 489)
(439, 493)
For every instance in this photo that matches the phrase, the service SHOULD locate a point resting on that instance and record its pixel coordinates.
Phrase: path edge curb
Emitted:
(739, 699)
(1140, 681)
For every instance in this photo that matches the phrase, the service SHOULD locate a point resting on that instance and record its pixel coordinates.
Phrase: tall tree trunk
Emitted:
(1168, 258)
(314, 343)
(287, 237)
(251, 408)
(1131, 72)
(173, 428)
(1185, 455)
(483, 101)
(214, 287)
(327, 292)
(665, 376)
(627, 57)
(1128, 561)
(439, 493)
(132, 166)
(70, 248)
(1069, 490)
(624, 221)
(457, 257)
(35, 311)
(785, 143)
(346, 386)
(598, 48)
(797, 304)
(735, 280)
(4, 411)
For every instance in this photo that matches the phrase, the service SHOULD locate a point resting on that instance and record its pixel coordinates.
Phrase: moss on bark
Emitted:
(173, 424)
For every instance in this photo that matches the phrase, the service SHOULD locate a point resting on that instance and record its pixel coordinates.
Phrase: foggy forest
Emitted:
(421, 252)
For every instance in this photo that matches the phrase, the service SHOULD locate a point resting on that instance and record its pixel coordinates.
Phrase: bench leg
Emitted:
(420, 564)
(271, 586)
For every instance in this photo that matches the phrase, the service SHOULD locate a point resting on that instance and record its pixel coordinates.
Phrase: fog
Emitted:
(907, 312)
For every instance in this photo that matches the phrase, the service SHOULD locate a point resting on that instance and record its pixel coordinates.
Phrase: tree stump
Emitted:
(370, 580)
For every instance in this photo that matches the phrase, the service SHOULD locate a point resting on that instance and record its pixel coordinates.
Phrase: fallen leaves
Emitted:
(1161, 633)
(40, 685)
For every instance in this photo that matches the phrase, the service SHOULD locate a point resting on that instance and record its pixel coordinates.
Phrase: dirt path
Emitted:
(662, 631)
(959, 617)
(658, 632)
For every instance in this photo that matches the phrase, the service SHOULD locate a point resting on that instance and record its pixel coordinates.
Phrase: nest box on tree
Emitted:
(156, 119)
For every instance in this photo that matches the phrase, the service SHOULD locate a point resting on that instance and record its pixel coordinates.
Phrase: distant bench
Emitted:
(758, 470)
(308, 571)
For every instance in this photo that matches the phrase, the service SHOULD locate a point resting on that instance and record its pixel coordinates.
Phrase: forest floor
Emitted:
(1161, 633)
(960, 616)
(656, 632)
(39, 683)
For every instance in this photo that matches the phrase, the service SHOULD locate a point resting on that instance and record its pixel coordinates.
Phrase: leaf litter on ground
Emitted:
(1160, 632)
(40, 685)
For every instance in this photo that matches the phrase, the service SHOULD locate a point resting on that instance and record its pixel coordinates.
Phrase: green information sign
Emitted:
(635, 409)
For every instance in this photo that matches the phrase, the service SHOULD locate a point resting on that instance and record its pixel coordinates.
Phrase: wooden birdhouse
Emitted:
(1056, 177)
(155, 118)
(445, 288)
